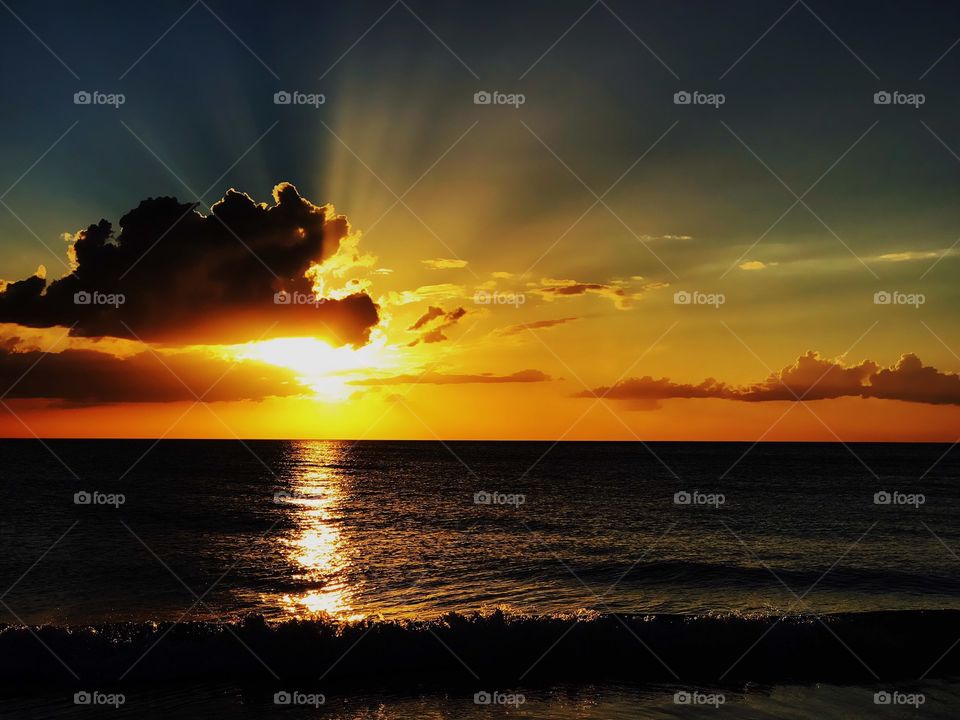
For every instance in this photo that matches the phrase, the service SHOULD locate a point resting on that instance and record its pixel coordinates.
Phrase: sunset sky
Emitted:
(483, 271)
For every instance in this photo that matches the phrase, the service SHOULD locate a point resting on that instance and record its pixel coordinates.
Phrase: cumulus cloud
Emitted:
(436, 378)
(190, 278)
(433, 324)
(86, 377)
(445, 263)
(911, 380)
(535, 325)
(811, 377)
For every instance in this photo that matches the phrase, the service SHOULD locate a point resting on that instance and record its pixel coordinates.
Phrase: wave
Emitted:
(501, 650)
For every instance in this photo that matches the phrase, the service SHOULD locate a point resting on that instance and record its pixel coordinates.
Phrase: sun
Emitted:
(327, 370)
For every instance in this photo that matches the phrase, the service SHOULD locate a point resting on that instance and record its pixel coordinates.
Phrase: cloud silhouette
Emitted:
(431, 313)
(619, 292)
(433, 323)
(189, 278)
(87, 377)
(811, 377)
(535, 325)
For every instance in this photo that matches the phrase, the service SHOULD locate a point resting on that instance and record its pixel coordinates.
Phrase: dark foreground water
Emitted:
(419, 580)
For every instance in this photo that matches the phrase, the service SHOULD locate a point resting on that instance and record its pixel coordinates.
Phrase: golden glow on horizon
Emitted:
(326, 369)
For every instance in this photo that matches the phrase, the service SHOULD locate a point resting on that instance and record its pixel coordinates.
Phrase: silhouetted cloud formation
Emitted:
(189, 278)
(433, 323)
(431, 313)
(621, 292)
(811, 377)
(535, 325)
(436, 378)
(87, 377)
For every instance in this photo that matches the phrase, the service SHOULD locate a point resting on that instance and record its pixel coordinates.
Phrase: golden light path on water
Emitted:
(315, 548)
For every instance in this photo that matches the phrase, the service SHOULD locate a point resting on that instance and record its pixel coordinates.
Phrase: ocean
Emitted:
(471, 579)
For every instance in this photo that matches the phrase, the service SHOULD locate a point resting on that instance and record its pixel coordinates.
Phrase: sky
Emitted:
(585, 256)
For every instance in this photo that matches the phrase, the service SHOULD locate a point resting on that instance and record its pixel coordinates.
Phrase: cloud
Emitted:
(535, 325)
(431, 313)
(435, 378)
(190, 278)
(654, 238)
(811, 377)
(424, 293)
(643, 393)
(433, 323)
(86, 377)
(911, 255)
(910, 380)
(502, 275)
(445, 263)
(755, 265)
(618, 291)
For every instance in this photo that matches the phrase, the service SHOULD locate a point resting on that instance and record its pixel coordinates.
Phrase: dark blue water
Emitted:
(407, 565)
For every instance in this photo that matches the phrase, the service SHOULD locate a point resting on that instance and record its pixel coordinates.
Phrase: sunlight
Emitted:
(316, 548)
(324, 368)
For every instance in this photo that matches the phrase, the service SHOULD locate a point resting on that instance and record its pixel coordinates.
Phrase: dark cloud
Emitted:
(87, 377)
(535, 325)
(649, 388)
(190, 278)
(620, 292)
(435, 378)
(910, 380)
(431, 313)
(811, 377)
(433, 323)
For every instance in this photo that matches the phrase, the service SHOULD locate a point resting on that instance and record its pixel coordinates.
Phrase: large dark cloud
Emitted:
(87, 377)
(811, 377)
(190, 278)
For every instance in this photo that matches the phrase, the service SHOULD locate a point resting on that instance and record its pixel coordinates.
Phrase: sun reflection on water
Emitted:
(316, 548)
